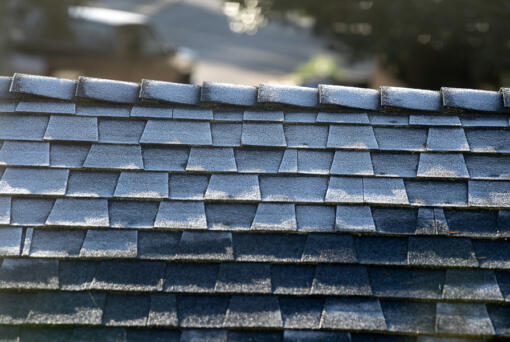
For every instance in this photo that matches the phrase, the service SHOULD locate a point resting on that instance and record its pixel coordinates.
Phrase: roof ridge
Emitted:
(446, 99)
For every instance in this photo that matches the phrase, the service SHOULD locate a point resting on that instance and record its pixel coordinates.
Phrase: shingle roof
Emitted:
(163, 211)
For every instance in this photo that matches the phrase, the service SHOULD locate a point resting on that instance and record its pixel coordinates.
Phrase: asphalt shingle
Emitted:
(395, 164)
(382, 250)
(354, 218)
(201, 311)
(151, 112)
(406, 283)
(34, 181)
(253, 311)
(29, 274)
(314, 162)
(352, 163)
(128, 276)
(191, 277)
(488, 167)
(441, 251)
(132, 214)
(110, 244)
(50, 107)
(250, 115)
(211, 160)
(165, 158)
(205, 246)
(30, 211)
(471, 285)
(233, 94)
(66, 155)
(226, 134)
(107, 90)
(488, 193)
(275, 216)
(293, 189)
(442, 165)
(434, 120)
(447, 139)
(471, 99)
(314, 218)
(193, 113)
(56, 243)
(52, 87)
(24, 153)
(230, 216)
(354, 137)
(384, 191)
(120, 131)
(10, 241)
(329, 248)
(409, 98)
(349, 97)
(263, 134)
(488, 140)
(463, 318)
(157, 245)
(163, 311)
(122, 310)
(345, 190)
(176, 133)
(103, 110)
(268, 247)
(438, 193)
(142, 185)
(347, 280)
(91, 184)
(353, 314)
(352, 118)
(306, 136)
(301, 313)
(258, 160)
(401, 139)
(300, 117)
(289, 162)
(188, 186)
(22, 127)
(233, 187)
(411, 317)
(243, 278)
(114, 157)
(181, 215)
(79, 212)
(72, 128)
(170, 92)
(290, 95)
(395, 220)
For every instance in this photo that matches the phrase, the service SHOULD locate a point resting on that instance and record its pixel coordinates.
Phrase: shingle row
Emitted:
(221, 246)
(268, 312)
(238, 95)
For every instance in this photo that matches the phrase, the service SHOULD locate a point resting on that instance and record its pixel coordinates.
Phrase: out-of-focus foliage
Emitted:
(425, 43)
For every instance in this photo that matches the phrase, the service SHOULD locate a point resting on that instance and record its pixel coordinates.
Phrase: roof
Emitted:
(134, 212)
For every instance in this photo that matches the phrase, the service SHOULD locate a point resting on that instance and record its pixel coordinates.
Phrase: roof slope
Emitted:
(134, 212)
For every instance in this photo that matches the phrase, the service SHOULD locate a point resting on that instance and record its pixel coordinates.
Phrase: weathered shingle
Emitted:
(409, 98)
(252, 160)
(5, 210)
(30, 211)
(230, 216)
(329, 248)
(353, 314)
(441, 252)
(441, 193)
(275, 216)
(394, 220)
(384, 190)
(314, 162)
(295, 280)
(182, 215)
(10, 241)
(263, 134)
(301, 313)
(253, 311)
(315, 218)
(66, 155)
(382, 250)
(29, 274)
(311, 136)
(72, 128)
(470, 99)
(103, 110)
(79, 212)
(442, 165)
(120, 131)
(412, 317)
(211, 160)
(244, 278)
(191, 277)
(56, 243)
(349, 97)
(355, 137)
(226, 134)
(107, 90)
(407, 283)
(471, 285)
(463, 318)
(354, 218)
(499, 315)
(34, 181)
(202, 311)
(114, 157)
(24, 153)
(434, 120)
(483, 166)
(267, 115)
(488, 140)
(395, 164)
(293, 189)
(352, 118)
(165, 158)
(447, 139)
(345, 190)
(188, 186)
(205, 246)
(492, 253)
(310, 335)
(151, 112)
(193, 113)
(163, 311)
(289, 162)
(484, 120)
(142, 185)
(170, 92)
(110, 243)
(237, 187)
(227, 115)
(132, 214)
(401, 139)
(122, 310)
(22, 127)
(157, 245)
(300, 117)
(128, 275)
(472, 222)
(50, 107)
(268, 247)
(387, 119)
(177, 133)
(239, 95)
(91, 184)
(352, 163)
(489, 193)
(290, 95)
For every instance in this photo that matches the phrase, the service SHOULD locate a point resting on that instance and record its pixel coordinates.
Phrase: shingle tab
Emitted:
(505, 92)
(293, 189)
(114, 157)
(128, 276)
(484, 167)
(65, 155)
(353, 314)
(251, 160)
(329, 248)
(499, 316)
(182, 215)
(177, 133)
(444, 165)
(201, 311)
(263, 134)
(244, 278)
(352, 118)
(120, 131)
(122, 310)
(488, 140)
(345, 190)
(107, 90)
(315, 218)
(5, 210)
(56, 243)
(211, 160)
(165, 158)
(463, 318)
(205, 246)
(193, 113)
(228, 115)
(142, 185)
(395, 164)
(191, 277)
(157, 245)
(382, 250)
(472, 222)
(225, 93)
(409, 98)
(237, 187)
(441, 252)
(325, 336)
(294, 280)
(10, 241)
(5, 83)
(439, 193)
(24, 153)
(199, 335)
(289, 162)
(354, 218)
(411, 317)
(250, 115)
(91, 184)
(352, 163)
(103, 110)
(447, 139)
(307, 136)
(352, 97)
(226, 134)
(52, 87)
(434, 120)
(22, 127)
(290, 95)
(230, 216)
(387, 119)
(492, 254)
(471, 99)
(394, 220)
(163, 311)
(484, 120)
(356, 137)
(405, 282)
(170, 92)
(188, 186)
(471, 285)
(401, 139)
(29, 274)
(314, 162)
(431, 221)
(384, 190)
(275, 216)
(268, 247)
(132, 214)
(30, 211)
(301, 313)
(110, 243)
(161, 112)
(489, 193)
(34, 181)
(53, 107)
(253, 311)
(79, 212)
(300, 117)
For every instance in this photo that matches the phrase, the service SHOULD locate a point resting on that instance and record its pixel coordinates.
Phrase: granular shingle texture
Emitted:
(171, 212)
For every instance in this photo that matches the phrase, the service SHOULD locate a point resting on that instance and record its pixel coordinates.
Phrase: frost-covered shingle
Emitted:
(71, 128)
(151, 112)
(226, 134)
(471, 285)
(211, 160)
(409, 98)
(395, 164)
(314, 218)
(238, 187)
(352, 118)
(34, 181)
(56, 243)
(67, 155)
(79, 212)
(250, 160)
(233, 94)
(30, 211)
(132, 214)
(114, 157)
(193, 113)
(488, 140)
(250, 115)
(314, 162)
(243, 278)
(441, 251)
(188, 186)
(24, 153)
(230, 216)
(471, 99)
(52, 87)
(354, 218)
(484, 166)
(463, 318)
(5, 210)
(355, 137)
(290, 95)
(205, 246)
(253, 311)
(177, 133)
(436, 193)
(434, 120)
(142, 185)
(170, 92)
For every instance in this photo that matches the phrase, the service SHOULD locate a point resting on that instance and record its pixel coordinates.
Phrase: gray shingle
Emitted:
(290, 95)
(142, 185)
(56, 243)
(401, 139)
(499, 315)
(289, 162)
(29, 274)
(30, 211)
(311, 136)
(384, 190)
(202, 335)
(191, 277)
(352, 163)
(10, 241)
(63, 155)
(11, 334)
(34, 181)
(268, 247)
(353, 314)
(132, 214)
(120, 131)
(356, 137)
(484, 167)
(161, 112)
(354, 218)
(22, 127)
(5, 84)
(387, 119)
(447, 139)
(27, 243)
(395, 164)
(228, 115)
(395, 220)
(406, 282)
(91, 184)
(487, 140)
(205, 246)
(503, 279)
(349, 96)
(505, 92)
(188, 186)
(471, 285)
(434, 120)
(201, 311)
(7, 106)
(482, 100)
(463, 318)
(444, 165)
(300, 117)
(243, 278)
(484, 120)
(253, 311)
(345, 190)
(128, 276)
(15, 307)
(301, 313)
(50, 107)
(489, 193)
(226, 134)
(110, 243)
(251, 115)
(95, 334)
(275, 216)
(225, 93)
(230, 216)
(438, 193)
(79, 212)
(293, 189)
(157, 245)
(409, 98)
(71, 128)
(103, 110)
(211, 160)
(492, 253)
(294, 280)
(237, 187)
(329, 248)
(441, 252)
(258, 160)
(122, 310)
(181, 215)
(165, 158)
(314, 218)
(314, 162)
(20, 153)
(107, 90)
(263, 134)
(410, 317)
(382, 250)
(354, 118)
(193, 113)
(114, 157)
(325, 336)
(177, 133)
(170, 92)
(431, 221)
(163, 311)
(472, 222)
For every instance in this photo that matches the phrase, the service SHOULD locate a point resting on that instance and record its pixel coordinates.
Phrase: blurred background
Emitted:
(368, 43)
